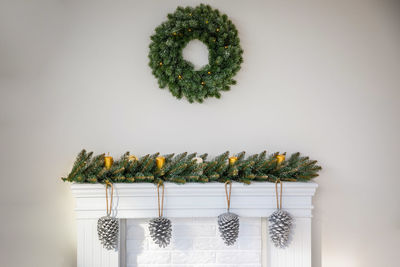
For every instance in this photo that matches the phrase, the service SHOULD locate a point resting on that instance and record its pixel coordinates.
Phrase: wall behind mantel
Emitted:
(320, 77)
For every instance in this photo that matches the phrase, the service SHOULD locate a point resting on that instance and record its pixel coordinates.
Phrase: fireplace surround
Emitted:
(193, 208)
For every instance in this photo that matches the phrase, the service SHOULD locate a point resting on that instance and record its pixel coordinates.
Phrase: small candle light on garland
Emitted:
(132, 158)
(108, 161)
(160, 161)
(232, 160)
(198, 161)
(280, 158)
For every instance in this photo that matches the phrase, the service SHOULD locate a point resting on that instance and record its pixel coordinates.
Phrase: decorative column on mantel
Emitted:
(192, 200)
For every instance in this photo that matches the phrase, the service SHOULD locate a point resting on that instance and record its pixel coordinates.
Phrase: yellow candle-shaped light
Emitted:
(132, 158)
(160, 162)
(280, 158)
(232, 160)
(108, 161)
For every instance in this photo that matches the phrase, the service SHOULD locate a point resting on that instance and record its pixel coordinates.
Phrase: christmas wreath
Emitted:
(225, 54)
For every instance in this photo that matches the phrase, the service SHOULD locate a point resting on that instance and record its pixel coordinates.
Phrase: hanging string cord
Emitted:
(160, 210)
(278, 201)
(228, 196)
(108, 184)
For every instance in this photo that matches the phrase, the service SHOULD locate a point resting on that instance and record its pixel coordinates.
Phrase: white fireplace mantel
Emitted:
(192, 200)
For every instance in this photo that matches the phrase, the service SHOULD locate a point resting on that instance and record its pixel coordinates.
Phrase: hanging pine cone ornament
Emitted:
(108, 229)
(280, 224)
(160, 231)
(229, 227)
(228, 222)
(107, 226)
(160, 228)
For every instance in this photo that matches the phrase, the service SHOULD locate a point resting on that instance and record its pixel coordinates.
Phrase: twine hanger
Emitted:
(108, 184)
(228, 196)
(278, 203)
(160, 211)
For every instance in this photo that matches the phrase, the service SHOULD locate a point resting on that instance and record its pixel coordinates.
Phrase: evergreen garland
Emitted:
(184, 168)
(225, 54)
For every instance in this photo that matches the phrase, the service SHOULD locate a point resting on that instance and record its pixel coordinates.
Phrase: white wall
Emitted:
(320, 77)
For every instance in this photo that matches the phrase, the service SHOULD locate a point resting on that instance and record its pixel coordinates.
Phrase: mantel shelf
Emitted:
(139, 200)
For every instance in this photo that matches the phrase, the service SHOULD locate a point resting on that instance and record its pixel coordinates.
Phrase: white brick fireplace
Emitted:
(196, 243)
(193, 209)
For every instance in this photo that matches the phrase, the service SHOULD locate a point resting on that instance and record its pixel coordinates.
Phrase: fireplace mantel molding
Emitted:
(139, 200)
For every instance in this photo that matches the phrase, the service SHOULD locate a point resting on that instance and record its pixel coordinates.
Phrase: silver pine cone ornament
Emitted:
(229, 227)
(280, 224)
(228, 222)
(107, 229)
(160, 231)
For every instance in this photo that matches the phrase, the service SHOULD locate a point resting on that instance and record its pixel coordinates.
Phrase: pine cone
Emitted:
(229, 227)
(280, 224)
(160, 230)
(107, 229)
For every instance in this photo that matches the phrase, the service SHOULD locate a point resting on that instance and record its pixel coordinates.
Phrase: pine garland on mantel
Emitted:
(184, 167)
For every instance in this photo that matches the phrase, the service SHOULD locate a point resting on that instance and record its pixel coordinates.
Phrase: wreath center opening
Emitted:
(196, 52)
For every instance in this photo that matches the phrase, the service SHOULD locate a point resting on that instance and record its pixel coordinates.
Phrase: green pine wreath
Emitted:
(225, 54)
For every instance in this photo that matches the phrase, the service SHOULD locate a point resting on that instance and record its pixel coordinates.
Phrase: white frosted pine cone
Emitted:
(280, 224)
(160, 231)
(108, 229)
(229, 227)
